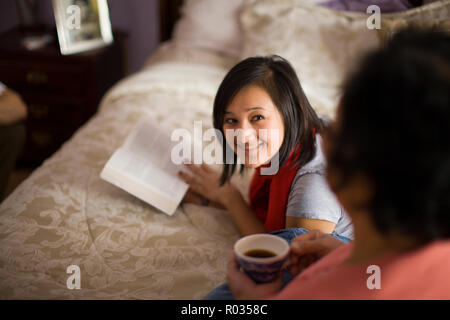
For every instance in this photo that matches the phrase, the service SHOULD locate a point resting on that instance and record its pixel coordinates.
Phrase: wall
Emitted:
(138, 18)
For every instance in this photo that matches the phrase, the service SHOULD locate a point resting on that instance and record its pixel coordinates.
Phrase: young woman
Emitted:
(389, 165)
(258, 97)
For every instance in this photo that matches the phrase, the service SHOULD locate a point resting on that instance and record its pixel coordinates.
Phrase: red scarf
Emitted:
(269, 194)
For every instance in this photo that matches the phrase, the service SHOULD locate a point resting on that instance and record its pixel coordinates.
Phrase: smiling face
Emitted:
(253, 126)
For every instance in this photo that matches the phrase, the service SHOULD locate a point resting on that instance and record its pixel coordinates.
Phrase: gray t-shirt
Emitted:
(310, 196)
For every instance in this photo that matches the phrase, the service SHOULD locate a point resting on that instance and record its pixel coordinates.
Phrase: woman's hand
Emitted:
(195, 198)
(206, 182)
(244, 288)
(310, 247)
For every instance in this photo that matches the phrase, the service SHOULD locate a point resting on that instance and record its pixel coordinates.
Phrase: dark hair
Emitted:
(394, 127)
(277, 77)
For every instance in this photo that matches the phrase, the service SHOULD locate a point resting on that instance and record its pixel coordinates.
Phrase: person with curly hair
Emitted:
(388, 156)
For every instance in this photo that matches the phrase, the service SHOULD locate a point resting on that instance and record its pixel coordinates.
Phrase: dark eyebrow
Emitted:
(249, 109)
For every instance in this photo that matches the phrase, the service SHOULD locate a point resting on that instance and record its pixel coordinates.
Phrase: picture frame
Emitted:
(82, 25)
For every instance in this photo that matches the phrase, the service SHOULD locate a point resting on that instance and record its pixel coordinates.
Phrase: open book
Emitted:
(142, 166)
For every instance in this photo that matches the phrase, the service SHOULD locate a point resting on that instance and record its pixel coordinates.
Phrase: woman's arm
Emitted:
(12, 108)
(310, 224)
(305, 250)
(311, 205)
(205, 182)
(243, 216)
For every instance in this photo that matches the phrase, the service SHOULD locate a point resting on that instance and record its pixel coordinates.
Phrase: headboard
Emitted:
(169, 12)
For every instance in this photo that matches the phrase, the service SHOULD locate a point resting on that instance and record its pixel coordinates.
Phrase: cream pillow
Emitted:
(320, 43)
(211, 24)
(434, 15)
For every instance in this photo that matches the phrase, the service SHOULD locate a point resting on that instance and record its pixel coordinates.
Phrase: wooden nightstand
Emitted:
(61, 92)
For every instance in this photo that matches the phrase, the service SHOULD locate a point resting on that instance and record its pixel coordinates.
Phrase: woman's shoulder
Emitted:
(307, 187)
(311, 197)
(317, 163)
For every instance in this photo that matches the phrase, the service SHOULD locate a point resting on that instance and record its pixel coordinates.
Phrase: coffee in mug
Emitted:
(261, 256)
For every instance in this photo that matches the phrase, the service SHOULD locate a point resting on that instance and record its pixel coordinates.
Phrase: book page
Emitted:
(149, 141)
(145, 172)
(144, 159)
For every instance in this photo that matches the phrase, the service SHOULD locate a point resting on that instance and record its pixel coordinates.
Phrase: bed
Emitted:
(65, 215)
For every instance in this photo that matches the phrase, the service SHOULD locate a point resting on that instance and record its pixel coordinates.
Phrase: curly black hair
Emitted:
(394, 127)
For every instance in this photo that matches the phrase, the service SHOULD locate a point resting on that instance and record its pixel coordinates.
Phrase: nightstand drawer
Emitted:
(45, 108)
(42, 76)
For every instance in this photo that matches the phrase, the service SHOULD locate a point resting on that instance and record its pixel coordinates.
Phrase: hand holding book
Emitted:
(143, 167)
(205, 182)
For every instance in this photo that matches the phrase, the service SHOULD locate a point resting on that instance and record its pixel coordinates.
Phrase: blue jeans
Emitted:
(223, 292)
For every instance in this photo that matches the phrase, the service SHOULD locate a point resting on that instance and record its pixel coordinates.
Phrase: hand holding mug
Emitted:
(308, 248)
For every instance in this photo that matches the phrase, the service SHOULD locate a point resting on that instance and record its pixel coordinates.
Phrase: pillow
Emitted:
(361, 5)
(434, 15)
(210, 24)
(320, 43)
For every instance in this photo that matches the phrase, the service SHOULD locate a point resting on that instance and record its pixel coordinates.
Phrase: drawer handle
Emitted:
(38, 111)
(41, 139)
(36, 77)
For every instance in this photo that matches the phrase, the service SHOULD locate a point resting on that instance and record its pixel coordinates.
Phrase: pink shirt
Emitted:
(423, 273)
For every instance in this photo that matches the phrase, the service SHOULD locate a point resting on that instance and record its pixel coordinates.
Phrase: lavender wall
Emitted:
(138, 18)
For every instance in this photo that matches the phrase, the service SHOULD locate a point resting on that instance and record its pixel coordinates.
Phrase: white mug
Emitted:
(261, 269)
